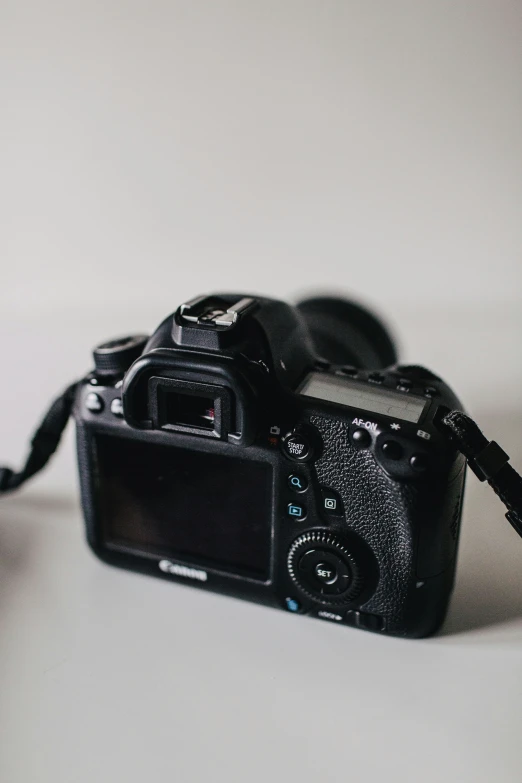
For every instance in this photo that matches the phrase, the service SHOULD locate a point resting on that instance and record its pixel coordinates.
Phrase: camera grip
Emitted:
(411, 527)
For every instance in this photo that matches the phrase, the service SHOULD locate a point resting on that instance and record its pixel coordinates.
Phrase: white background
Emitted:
(153, 151)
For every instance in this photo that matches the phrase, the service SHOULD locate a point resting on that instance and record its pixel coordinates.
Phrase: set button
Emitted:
(326, 573)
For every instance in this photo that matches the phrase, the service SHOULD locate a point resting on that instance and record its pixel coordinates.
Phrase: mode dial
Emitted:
(324, 567)
(116, 356)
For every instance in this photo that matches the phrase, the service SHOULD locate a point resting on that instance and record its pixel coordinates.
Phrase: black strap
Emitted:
(44, 443)
(488, 462)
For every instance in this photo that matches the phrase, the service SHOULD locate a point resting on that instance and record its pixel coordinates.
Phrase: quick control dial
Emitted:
(324, 567)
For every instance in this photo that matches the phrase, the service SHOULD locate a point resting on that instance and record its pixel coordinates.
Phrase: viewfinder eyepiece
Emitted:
(190, 407)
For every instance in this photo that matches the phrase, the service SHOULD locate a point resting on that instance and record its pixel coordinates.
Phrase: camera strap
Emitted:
(44, 443)
(488, 461)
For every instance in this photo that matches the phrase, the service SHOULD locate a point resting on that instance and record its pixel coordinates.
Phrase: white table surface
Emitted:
(110, 676)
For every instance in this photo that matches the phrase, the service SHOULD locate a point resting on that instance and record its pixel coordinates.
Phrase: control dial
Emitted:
(323, 566)
(116, 356)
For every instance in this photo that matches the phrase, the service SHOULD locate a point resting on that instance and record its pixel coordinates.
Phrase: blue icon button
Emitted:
(297, 483)
(292, 605)
(297, 512)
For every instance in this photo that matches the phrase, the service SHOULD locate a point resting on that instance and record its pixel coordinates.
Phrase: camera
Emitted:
(279, 454)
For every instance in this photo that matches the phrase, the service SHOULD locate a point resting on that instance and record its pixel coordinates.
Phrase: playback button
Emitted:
(296, 511)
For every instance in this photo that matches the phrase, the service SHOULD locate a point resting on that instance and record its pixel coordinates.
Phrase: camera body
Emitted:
(226, 453)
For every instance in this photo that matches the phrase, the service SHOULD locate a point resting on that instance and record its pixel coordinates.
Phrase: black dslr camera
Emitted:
(278, 454)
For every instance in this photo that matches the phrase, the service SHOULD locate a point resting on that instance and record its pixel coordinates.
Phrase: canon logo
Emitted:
(330, 616)
(180, 570)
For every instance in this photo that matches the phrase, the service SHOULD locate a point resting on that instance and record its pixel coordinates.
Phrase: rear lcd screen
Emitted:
(397, 405)
(207, 509)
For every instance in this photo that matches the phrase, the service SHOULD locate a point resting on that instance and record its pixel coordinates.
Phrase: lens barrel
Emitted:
(344, 332)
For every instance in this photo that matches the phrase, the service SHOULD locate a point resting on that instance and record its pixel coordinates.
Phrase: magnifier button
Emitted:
(297, 483)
